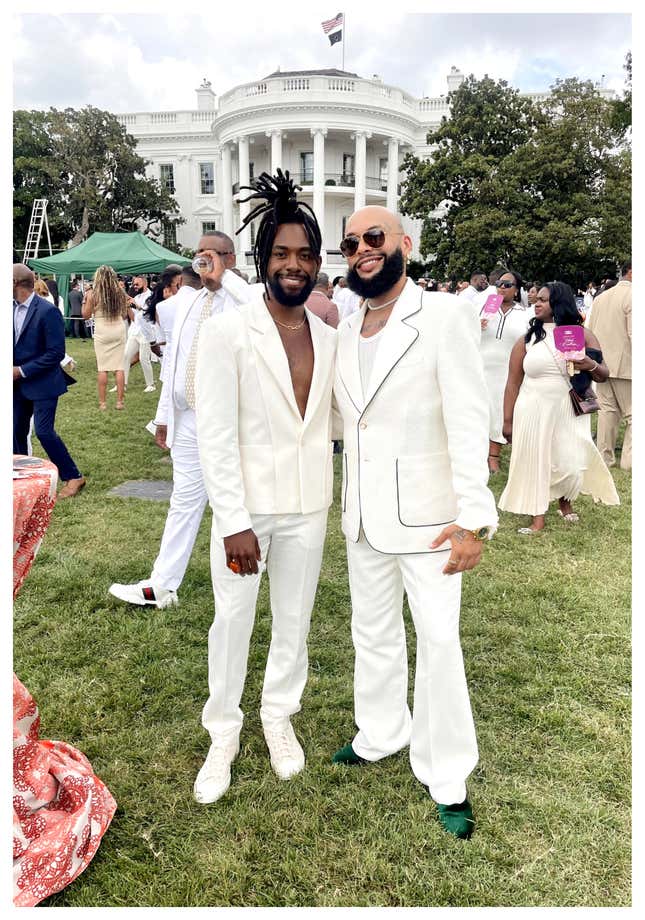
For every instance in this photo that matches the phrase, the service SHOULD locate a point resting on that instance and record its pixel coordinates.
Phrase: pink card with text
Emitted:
(491, 304)
(570, 341)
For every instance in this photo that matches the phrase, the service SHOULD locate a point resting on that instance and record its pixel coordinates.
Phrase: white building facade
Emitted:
(342, 138)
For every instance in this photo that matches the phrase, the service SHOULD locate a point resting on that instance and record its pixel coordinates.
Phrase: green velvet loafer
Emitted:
(457, 819)
(347, 755)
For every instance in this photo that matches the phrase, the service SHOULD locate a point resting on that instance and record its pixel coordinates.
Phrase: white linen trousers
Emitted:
(187, 504)
(440, 732)
(291, 546)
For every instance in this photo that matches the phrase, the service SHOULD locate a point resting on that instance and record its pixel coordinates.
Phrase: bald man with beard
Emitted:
(416, 508)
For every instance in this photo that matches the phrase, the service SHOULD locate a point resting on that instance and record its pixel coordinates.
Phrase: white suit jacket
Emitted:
(258, 455)
(415, 447)
(239, 292)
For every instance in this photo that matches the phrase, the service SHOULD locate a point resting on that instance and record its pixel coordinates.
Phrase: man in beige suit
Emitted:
(611, 322)
(263, 401)
(409, 384)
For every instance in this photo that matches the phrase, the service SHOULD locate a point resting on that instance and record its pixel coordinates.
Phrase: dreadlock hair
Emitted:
(279, 205)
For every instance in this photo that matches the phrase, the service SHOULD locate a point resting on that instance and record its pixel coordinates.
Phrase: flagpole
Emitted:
(343, 41)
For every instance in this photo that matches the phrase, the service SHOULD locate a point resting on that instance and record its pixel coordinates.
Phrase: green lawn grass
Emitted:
(546, 639)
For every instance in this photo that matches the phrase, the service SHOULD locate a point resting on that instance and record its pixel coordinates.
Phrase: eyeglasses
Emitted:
(374, 237)
(506, 284)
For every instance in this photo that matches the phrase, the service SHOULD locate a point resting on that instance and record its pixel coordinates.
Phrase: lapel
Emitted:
(397, 338)
(267, 343)
(324, 347)
(348, 368)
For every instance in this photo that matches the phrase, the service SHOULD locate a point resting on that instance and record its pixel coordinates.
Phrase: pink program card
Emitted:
(491, 304)
(570, 341)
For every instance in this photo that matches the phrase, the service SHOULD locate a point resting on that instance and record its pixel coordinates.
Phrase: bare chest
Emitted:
(299, 350)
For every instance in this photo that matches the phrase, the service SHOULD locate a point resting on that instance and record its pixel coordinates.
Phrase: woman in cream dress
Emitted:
(553, 455)
(107, 303)
(500, 332)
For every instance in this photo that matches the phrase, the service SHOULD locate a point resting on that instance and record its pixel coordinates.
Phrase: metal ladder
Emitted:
(38, 220)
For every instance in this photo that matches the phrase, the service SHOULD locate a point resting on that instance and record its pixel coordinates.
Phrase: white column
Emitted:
(392, 173)
(226, 191)
(276, 150)
(319, 135)
(360, 173)
(243, 160)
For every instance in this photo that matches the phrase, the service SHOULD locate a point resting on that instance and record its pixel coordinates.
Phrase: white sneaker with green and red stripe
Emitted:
(144, 594)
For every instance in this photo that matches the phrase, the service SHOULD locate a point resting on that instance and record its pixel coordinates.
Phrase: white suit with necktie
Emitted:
(188, 499)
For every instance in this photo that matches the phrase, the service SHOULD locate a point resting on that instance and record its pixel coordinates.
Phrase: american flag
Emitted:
(333, 28)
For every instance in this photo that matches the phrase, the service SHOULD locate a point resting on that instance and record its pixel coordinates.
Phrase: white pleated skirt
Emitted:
(553, 455)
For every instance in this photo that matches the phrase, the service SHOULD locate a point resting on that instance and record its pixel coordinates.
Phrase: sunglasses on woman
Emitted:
(506, 284)
(374, 237)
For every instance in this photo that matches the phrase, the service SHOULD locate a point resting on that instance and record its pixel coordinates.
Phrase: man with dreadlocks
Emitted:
(410, 388)
(263, 399)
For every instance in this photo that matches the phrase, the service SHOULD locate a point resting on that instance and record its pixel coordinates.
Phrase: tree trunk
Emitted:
(82, 231)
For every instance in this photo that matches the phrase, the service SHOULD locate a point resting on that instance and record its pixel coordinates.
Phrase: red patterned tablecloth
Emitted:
(34, 496)
(61, 809)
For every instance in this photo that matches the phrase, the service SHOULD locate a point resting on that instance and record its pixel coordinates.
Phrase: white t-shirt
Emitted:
(367, 349)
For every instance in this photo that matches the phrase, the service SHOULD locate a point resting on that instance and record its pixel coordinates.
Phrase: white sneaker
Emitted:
(287, 757)
(144, 593)
(214, 778)
(149, 389)
(112, 389)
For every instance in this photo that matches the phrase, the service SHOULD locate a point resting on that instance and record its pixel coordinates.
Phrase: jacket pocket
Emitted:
(425, 497)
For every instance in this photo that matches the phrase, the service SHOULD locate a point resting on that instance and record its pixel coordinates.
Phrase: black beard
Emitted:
(390, 273)
(289, 300)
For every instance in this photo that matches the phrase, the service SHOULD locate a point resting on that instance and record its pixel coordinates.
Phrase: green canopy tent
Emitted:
(127, 253)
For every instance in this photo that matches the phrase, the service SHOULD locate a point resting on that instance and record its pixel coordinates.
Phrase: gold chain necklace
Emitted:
(287, 326)
(284, 325)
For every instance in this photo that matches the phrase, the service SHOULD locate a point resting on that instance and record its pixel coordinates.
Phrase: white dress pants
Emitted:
(133, 344)
(291, 546)
(187, 504)
(440, 732)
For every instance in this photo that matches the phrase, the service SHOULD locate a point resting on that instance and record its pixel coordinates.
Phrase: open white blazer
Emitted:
(258, 455)
(416, 446)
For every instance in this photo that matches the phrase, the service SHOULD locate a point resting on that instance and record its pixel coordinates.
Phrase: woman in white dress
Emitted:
(553, 454)
(500, 332)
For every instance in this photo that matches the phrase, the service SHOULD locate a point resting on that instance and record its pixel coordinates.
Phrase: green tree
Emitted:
(622, 120)
(522, 184)
(86, 165)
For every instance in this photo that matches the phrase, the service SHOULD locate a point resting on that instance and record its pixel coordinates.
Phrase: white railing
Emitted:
(433, 105)
(343, 86)
(295, 84)
(165, 117)
(203, 115)
(256, 89)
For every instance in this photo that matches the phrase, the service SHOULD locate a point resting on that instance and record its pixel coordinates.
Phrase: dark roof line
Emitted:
(311, 73)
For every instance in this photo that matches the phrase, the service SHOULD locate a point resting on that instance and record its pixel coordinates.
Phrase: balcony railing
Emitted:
(340, 180)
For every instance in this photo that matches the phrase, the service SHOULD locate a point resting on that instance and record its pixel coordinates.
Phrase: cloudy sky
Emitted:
(154, 58)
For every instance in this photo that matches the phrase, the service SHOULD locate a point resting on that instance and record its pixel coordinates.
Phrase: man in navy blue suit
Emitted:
(38, 380)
